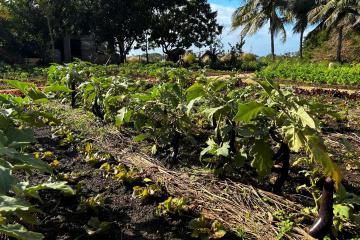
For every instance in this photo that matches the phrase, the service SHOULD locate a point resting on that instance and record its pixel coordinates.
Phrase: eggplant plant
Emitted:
(66, 79)
(160, 114)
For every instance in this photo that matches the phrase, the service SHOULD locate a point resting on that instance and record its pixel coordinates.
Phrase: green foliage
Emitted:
(16, 115)
(312, 72)
(236, 126)
(189, 58)
(285, 227)
(17, 72)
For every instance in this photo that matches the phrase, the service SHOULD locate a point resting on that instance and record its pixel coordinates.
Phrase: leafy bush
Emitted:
(248, 57)
(189, 58)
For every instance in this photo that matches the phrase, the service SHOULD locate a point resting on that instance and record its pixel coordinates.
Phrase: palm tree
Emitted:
(339, 15)
(300, 10)
(254, 14)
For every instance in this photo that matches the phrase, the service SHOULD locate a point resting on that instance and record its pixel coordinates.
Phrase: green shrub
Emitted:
(189, 58)
(248, 57)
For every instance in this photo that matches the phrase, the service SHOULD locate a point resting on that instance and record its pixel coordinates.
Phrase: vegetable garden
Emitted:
(199, 157)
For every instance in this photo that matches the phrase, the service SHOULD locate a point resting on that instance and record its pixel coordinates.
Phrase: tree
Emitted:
(339, 15)
(254, 14)
(180, 24)
(35, 23)
(121, 23)
(47, 8)
(300, 10)
(26, 31)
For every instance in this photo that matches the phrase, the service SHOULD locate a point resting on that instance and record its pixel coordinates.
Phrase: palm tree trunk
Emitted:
(339, 46)
(272, 30)
(272, 44)
(301, 42)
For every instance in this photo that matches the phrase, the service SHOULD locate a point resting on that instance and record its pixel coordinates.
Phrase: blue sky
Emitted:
(258, 43)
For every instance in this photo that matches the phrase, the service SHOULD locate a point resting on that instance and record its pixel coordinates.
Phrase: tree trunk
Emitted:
(122, 51)
(301, 42)
(272, 45)
(147, 54)
(67, 48)
(52, 54)
(272, 32)
(147, 49)
(339, 46)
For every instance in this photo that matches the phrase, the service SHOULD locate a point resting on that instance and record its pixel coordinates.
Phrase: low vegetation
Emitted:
(317, 72)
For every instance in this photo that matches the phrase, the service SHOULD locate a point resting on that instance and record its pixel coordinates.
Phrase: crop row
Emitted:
(229, 127)
(312, 72)
(17, 118)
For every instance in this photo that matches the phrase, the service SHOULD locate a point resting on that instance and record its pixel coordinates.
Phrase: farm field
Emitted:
(159, 152)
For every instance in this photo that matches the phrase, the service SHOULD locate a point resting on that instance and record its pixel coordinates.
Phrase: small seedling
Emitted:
(172, 206)
(147, 192)
(204, 228)
(91, 202)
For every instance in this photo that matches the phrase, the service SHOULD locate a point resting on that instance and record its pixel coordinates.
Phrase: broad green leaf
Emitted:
(211, 148)
(218, 85)
(211, 112)
(267, 86)
(19, 232)
(195, 91)
(23, 161)
(191, 104)
(59, 186)
(294, 138)
(36, 95)
(141, 137)
(343, 211)
(306, 119)
(223, 150)
(10, 204)
(247, 112)
(6, 180)
(123, 116)
(20, 135)
(57, 88)
(262, 154)
(318, 153)
(22, 86)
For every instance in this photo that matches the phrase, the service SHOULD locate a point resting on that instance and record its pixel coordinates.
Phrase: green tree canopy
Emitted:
(181, 24)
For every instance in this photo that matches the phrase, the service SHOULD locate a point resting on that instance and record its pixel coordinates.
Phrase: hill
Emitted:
(321, 45)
